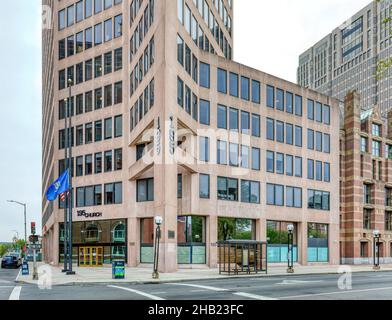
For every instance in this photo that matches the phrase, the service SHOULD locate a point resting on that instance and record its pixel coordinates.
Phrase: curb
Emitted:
(138, 282)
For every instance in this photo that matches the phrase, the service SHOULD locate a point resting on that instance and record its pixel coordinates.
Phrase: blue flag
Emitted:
(60, 186)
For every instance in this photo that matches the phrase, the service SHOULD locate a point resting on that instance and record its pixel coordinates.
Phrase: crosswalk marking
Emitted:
(150, 296)
(15, 294)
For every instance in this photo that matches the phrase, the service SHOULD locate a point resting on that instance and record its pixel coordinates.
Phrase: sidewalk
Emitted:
(144, 275)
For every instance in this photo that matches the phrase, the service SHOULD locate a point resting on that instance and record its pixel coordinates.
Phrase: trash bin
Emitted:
(118, 269)
(25, 269)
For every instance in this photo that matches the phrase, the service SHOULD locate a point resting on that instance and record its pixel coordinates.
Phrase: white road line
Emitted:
(162, 292)
(199, 290)
(15, 293)
(336, 292)
(150, 296)
(252, 296)
(291, 282)
(200, 287)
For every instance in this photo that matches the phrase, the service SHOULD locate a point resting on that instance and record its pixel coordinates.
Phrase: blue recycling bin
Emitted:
(118, 269)
(25, 269)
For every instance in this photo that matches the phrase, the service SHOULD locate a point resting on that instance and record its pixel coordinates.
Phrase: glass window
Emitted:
(376, 130)
(204, 75)
(118, 26)
(204, 112)
(327, 114)
(222, 152)
(255, 159)
(233, 119)
(180, 92)
(319, 141)
(79, 11)
(289, 165)
(222, 81)
(118, 126)
(88, 8)
(279, 99)
(376, 148)
(245, 122)
(98, 163)
(233, 154)
(98, 131)
(270, 97)
(145, 190)
(298, 136)
(204, 186)
(204, 149)
(319, 112)
(280, 131)
(310, 139)
(327, 173)
(234, 84)
(310, 109)
(88, 38)
(289, 134)
(289, 102)
(227, 189)
(255, 125)
(270, 161)
(275, 194)
(245, 88)
(180, 11)
(327, 143)
(108, 128)
(298, 167)
(298, 105)
(318, 200)
(108, 30)
(97, 6)
(270, 129)
(310, 169)
(180, 48)
(319, 171)
(245, 157)
(222, 117)
(70, 16)
(61, 18)
(256, 91)
(250, 191)
(279, 163)
(108, 161)
(98, 34)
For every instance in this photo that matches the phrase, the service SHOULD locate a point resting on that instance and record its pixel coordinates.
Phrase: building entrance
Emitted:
(90, 256)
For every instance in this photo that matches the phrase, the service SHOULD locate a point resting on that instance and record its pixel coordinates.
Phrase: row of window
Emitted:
(318, 200)
(82, 9)
(250, 123)
(84, 134)
(108, 96)
(277, 100)
(103, 162)
(285, 132)
(92, 195)
(234, 86)
(83, 72)
(319, 141)
(142, 67)
(191, 67)
(148, 12)
(239, 155)
(276, 196)
(105, 32)
(142, 105)
(141, 29)
(276, 163)
(317, 170)
(319, 112)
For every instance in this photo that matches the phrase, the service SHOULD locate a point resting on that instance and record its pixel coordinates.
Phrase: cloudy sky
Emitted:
(269, 35)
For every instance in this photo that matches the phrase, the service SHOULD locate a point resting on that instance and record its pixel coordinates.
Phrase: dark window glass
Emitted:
(270, 161)
(118, 21)
(79, 11)
(98, 163)
(327, 143)
(255, 125)
(222, 117)
(289, 102)
(180, 50)
(145, 190)
(280, 99)
(310, 109)
(204, 149)
(234, 84)
(204, 186)
(108, 24)
(327, 172)
(245, 122)
(118, 59)
(97, 6)
(270, 129)
(319, 141)
(88, 8)
(245, 88)
(298, 167)
(256, 91)
(310, 169)
(233, 119)
(222, 81)
(255, 159)
(280, 131)
(233, 154)
(319, 112)
(204, 112)
(88, 38)
(298, 105)
(289, 165)
(270, 97)
(108, 128)
(108, 161)
(61, 19)
(327, 114)
(180, 92)
(98, 34)
(319, 171)
(310, 139)
(204, 75)
(298, 136)
(289, 134)
(88, 164)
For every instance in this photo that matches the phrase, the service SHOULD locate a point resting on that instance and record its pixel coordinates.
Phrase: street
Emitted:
(367, 286)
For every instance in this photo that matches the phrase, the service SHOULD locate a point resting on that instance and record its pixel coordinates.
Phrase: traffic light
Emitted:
(32, 227)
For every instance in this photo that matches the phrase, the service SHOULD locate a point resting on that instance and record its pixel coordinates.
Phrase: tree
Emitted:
(4, 249)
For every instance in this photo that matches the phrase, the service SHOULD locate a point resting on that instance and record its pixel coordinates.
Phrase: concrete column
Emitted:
(303, 243)
(133, 245)
(212, 238)
(54, 234)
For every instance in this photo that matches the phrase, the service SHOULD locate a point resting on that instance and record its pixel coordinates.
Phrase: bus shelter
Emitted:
(242, 257)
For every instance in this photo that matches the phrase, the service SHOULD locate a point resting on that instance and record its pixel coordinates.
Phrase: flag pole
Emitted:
(70, 198)
(65, 201)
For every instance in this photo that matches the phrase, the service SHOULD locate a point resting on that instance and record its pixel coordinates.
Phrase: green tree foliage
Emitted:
(4, 248)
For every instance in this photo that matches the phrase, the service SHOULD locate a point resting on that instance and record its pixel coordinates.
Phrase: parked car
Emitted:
(11, 261)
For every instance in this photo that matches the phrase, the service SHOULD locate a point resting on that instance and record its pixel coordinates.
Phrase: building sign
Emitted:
(172, 144)
(83, 213)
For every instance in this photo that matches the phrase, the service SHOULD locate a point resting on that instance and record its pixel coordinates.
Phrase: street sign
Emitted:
(25, 269)
(118, 269)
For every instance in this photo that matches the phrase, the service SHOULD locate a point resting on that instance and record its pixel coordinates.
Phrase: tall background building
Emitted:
(166, 123)
(346, 59)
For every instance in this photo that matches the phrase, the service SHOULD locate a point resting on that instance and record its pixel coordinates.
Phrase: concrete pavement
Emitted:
(144, 275)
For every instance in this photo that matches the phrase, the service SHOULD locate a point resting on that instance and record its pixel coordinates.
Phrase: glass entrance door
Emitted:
(90, 256)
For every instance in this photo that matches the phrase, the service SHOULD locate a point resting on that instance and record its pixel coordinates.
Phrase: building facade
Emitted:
(366, 183)
(351, 57)
(167, 124)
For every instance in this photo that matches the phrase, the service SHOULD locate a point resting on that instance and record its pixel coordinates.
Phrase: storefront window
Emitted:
(119, 232)
(318, 242)
(147, 240)
(236, 229)
(191, 240)
(278, 241)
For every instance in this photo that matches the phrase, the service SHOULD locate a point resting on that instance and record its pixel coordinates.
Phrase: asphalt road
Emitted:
(367, 286)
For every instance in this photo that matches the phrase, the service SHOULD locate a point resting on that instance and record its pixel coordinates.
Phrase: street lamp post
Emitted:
(25, 223)
(158, 222)
(290, 253)
(67, 102)
(70, 171)
(376, 249)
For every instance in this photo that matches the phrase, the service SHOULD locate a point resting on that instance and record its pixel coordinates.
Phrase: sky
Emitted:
(269, 36)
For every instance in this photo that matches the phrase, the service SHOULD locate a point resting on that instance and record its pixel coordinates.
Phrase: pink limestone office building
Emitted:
(165, 123)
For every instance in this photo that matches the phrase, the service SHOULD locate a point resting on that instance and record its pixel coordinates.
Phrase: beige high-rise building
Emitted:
(165, 123)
